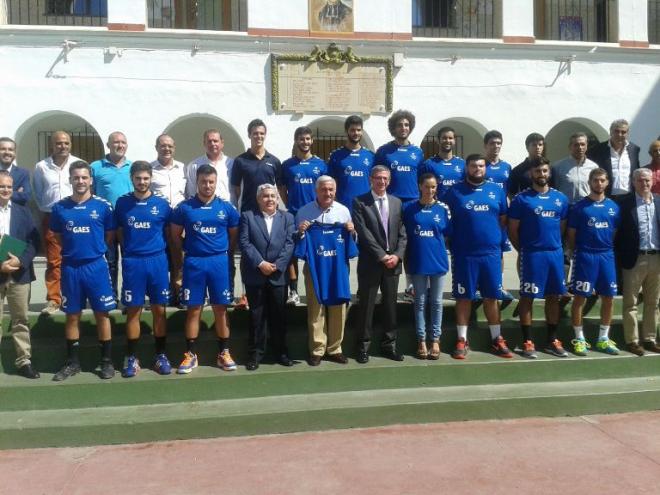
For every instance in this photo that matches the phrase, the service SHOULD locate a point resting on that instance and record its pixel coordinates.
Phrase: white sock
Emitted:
(604, 332)
(579, 334)
(495, 331)
(461, 330)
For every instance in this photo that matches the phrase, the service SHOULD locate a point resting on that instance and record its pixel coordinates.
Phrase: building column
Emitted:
(127, 15)
(518, 21)
(633, 23)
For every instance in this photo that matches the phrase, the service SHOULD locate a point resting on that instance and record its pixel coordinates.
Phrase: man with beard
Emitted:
(300, 173)
(351, 164)
(478, 209)
(447, 168)
(592, 224)
(21, 177)
(537, 220)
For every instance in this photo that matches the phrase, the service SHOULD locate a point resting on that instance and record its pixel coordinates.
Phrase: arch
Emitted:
(188, 130)
(33, 137)
(469, 136)
(556, 139)
(329, 135)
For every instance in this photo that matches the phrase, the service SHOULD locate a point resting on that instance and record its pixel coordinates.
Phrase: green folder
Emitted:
(9, 244)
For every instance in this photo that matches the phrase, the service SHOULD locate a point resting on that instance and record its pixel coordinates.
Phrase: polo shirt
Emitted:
(111, 181)
(253, 172)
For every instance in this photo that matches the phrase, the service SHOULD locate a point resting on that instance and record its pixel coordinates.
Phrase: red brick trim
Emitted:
(518, 39)
(125, 27)
(633, 44)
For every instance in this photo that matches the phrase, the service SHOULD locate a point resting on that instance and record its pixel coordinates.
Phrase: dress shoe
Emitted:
(635, 348)
(251, 365)
(392, 354)
(28, 371)
(337, 358)
(285, 360)
(652, 346)
(314, 360)
(362, 357)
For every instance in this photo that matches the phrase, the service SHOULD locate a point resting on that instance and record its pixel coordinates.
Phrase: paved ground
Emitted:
(594, 454)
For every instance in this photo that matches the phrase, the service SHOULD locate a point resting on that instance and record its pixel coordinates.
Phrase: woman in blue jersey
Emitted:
(427, 224)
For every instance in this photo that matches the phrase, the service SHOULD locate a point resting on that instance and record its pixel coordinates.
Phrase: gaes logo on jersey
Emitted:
(599, 225)
(321, 251)
(197, 227)
(423, 233)
(71, 227)
(471, 205)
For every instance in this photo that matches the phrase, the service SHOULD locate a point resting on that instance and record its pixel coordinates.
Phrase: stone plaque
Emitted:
(301, 85)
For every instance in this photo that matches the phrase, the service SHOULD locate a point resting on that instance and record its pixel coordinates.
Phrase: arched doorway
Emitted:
(329, 135)
(33, 137)
(556, 139)
(188, 132)
(469, 136)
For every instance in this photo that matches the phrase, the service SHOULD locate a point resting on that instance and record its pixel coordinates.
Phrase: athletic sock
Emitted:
(526, 332)
(461, 330)
(495, 331)
(130, 346)
(106, 349)
(191, 346)
(552, 332)
(160, 344)
(604, 332)
(72, 350)
(223, 344)
(579, 334)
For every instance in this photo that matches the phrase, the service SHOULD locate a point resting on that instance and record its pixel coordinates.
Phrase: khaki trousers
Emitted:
(17, 296)
(645, 275)
(325, 324)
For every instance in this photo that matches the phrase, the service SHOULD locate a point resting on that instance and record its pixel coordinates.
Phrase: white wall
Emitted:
(127, 12)
(518, 18)
(267, 14)
(633, 24)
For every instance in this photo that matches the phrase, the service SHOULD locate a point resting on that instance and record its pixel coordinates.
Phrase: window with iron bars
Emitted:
(654, 21)
(457, 18)
(214, 15)
(57, 12)
(576, 20)
(86, 144)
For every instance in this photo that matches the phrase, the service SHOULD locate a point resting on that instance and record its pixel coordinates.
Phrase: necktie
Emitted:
(384, 218)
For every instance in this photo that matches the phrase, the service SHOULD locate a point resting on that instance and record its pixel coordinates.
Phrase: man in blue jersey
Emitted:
(111, 180)
(325, 322)
(478, 209)
(142, 220)
(447, 168)
(210, 225)
(85, 227)
(350, 165)
(498, 172)
(300, 173)
(537, 221)
(592, 224)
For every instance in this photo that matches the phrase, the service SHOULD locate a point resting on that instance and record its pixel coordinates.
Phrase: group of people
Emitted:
(176, 227)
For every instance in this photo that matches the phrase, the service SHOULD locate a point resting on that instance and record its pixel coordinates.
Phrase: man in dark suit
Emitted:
(266, 240)
(382, 243)
(16, 273)
(21, 177)
(637, 249)
(618, 157)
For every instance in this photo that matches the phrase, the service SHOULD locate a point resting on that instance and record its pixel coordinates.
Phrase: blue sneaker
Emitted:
(607, 346)
(131, 367)
(162, 365)
(188, 364)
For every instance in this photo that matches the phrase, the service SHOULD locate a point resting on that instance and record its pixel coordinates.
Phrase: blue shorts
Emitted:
(145, 276)
(542, 272)
(593, 271)
(206, 272)
(506, 245)
(470, 273)
(90, 281)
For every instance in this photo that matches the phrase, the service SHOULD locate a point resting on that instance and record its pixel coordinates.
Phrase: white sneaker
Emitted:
(50, 308)
(294, 298)
(409, 294)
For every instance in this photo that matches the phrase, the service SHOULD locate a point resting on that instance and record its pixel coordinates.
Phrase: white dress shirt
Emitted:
(648, 233)
(223, 166)
(5, 218)
(51, 183)
(170, 183)
(620, 171)
(269, 220)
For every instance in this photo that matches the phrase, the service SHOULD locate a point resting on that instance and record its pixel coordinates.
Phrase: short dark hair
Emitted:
(79, 164)
(205, 169)
(492, 135)
(353, 120)
(303, 131)
(577, 135)
(140, 166)
(400, 115)
(598, 172)
(534, 137)
(539, 161)
(161, 136)
(444, 129)
(8, 140)
(425, 176)
(255, 123)
(474, 157)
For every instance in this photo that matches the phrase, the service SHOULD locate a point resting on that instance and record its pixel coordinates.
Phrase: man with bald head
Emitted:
(51, 184)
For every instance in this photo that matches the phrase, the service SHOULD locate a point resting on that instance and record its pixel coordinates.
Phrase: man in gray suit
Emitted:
(382, 242)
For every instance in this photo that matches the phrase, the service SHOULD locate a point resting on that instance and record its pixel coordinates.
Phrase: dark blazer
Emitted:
(21, 226)
(257, 246)
(601, 155)
(626, 240)
(371, 235)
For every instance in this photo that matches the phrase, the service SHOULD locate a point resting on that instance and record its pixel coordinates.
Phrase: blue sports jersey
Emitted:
(447, 172)
(82, 227)
(594, 224)
(499, 173)
(142, 222)
(351, 169)
(300, 180)
(327, 249)
(540, 216)
(475, 212)
(426, 226)
(206, 225)
(403, 162)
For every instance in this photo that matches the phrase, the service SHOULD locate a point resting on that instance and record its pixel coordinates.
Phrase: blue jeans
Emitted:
(420, 283)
